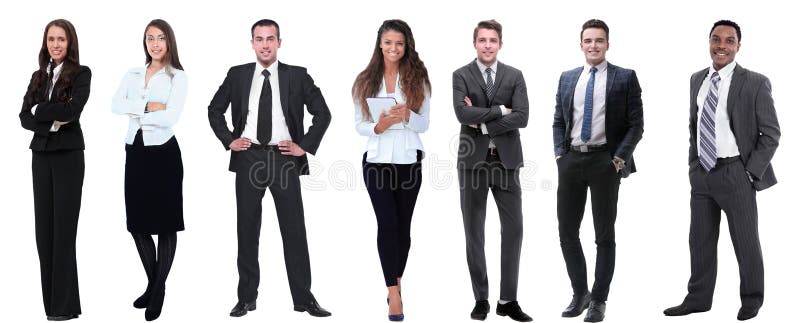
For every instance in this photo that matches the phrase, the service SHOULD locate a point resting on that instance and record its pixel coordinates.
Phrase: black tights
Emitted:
(156, 269)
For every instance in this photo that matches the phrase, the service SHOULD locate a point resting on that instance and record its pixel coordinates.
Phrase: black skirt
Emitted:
(154, 187)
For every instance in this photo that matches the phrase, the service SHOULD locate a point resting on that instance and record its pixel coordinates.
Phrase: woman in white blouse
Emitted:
(152, 97)
(391, 163)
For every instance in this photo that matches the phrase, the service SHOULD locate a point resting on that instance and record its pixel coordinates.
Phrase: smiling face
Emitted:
(57, 43)
(487, 44)
(266, 43)
(723, 46)
(156, 43)
(393, 46)
(594, 44)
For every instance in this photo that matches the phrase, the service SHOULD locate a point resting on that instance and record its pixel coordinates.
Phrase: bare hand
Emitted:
(240, 144)
(401, 110)
(155, 106)
(60, 123)
(618, 164)
(386, 120)
(469, 104)
(288, 147)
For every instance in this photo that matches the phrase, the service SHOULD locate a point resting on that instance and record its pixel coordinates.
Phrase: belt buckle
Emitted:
(584, 148)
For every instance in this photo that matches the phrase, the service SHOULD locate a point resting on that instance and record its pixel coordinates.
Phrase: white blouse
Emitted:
(132, 97)
(396, 146)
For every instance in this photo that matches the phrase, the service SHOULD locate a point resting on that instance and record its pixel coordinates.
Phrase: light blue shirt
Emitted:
(133, 95)
(396, 146)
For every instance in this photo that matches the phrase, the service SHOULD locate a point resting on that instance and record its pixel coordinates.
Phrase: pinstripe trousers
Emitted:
(725, 188)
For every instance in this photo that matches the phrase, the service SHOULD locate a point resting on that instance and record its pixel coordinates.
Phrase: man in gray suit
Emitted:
(734, 133)
(596, 126)
(491, 103)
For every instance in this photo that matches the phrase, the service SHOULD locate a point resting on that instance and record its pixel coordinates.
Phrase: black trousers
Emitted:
(268, 169)
(475, 185)
(393, 190)
(726, 188)
(578, 172)
(57, 187)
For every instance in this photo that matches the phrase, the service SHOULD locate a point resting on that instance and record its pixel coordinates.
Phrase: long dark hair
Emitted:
(413, 74)
(68, 70)
(172, 46)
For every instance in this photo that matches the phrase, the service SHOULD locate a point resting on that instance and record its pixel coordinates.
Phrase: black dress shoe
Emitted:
(61, 317)
(242, 308)
(578, 304)
(681, 310)
(480, 310)
(513, 311)
(313, 309)
(596, 312)
(143, 300)
(746, 313)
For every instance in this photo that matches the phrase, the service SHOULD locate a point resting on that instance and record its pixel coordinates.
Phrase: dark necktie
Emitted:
(586, 128)
(489, 83)
(708, 134)
(264, 128)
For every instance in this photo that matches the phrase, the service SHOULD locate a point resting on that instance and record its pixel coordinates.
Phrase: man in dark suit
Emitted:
(491, 103)
(269, 151)
(597, 123)
(734, 133)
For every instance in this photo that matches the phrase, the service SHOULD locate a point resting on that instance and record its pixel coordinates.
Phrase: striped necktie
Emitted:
(489, 83)
(708, 141)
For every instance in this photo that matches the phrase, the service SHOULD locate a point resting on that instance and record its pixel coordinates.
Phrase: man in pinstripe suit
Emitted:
(734, 133)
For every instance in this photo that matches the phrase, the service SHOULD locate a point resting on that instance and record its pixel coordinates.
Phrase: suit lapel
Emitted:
(737, 81)
(283, 84)
(247, 78)
(611, 72)
(478, 78)
(498, 80)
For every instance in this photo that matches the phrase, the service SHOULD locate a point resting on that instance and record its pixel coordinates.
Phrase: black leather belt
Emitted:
(727, 160)
(263, 147)
(590, 148)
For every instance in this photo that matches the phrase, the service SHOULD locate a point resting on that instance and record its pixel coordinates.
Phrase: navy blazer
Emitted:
(753, 120)
(624, 117)
(69, 136)
(297, 90)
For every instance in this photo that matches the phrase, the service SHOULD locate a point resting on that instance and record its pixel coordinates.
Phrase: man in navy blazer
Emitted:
(269, 146)
(597, 123)
(734, 132)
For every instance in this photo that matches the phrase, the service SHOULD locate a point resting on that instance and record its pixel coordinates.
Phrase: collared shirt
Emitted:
(396, 146)
(503, 109)
(280, 131)
(598, 136)
(52, 85)
(726, 142)
(133, 95)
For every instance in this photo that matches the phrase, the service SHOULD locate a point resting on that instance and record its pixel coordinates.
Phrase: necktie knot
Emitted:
(266, 73)
(592, 70)
(715, 78)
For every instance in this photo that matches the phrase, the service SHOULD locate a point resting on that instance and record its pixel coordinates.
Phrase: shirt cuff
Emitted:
(504, 110)
(483, 129)
(33, 109)
(54, 127)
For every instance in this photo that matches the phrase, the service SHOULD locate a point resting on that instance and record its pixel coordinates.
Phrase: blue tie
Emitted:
(708, 141)
(489, 83)
(586, 129)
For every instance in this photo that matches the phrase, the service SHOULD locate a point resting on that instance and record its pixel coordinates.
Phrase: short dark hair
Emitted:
(491, 25)
(727, 23)
(265, 23)
(594, 23)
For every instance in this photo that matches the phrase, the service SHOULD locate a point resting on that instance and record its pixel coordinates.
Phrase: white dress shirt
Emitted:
(396, 146)
(726, 142)
(503, 109)
(280, 131)
(598, 136)
(56, 74)
(133, 95)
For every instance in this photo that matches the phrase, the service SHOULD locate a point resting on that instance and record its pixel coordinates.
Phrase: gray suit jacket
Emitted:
(624, 117)
(509, 90)
(752, 119)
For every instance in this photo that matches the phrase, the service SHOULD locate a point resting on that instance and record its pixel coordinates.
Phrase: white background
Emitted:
(664, 42)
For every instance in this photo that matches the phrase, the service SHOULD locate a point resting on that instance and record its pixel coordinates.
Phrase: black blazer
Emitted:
(624, 116)
(753, 121)
(297, 89)
(69, 136)
(509, 90)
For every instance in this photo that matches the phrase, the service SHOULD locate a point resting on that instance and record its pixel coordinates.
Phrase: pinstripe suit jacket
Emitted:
(624, 117)
(752, 119)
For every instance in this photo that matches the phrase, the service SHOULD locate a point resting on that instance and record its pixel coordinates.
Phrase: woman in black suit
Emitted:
(52, 105)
